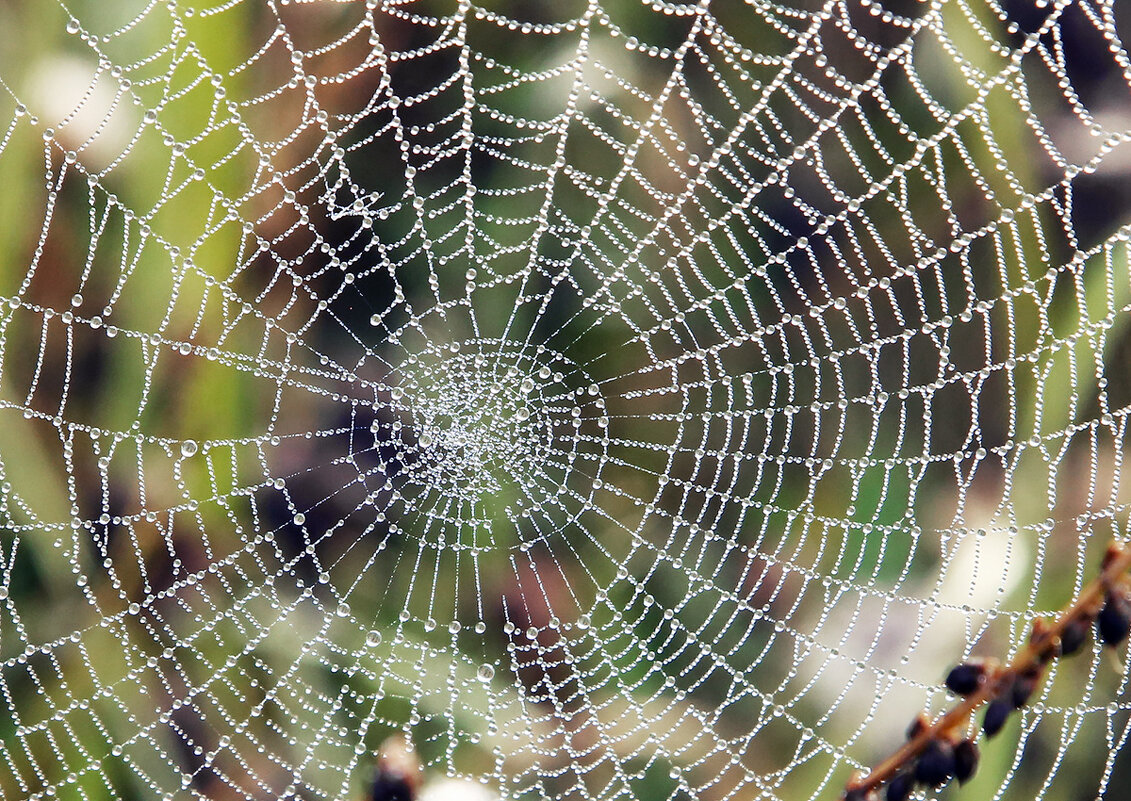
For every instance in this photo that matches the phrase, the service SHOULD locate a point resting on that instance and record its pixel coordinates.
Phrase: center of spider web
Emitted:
(476, 434)
(496, 441)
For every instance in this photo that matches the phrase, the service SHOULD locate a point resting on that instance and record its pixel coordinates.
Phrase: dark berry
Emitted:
(1041, 642)
(965, 760)
(996, 715)
(1114, 620)
(965, 678)
(387, 787)
(899, 788)
(1023, 686)
(857, 794)
(1074, 636)
(936, 764)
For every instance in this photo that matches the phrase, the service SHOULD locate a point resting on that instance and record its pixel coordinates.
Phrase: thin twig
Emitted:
(1045, 638)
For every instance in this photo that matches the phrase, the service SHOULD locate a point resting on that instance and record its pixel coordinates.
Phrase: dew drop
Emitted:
(188, 448)
(486, 673)
(373, 639)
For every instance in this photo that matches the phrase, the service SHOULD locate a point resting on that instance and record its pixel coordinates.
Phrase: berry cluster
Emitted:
(1013, 689)
(398, 775)
(936, 753)
(942, 759)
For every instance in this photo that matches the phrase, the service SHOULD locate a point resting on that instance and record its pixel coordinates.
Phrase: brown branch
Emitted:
(1042, 646)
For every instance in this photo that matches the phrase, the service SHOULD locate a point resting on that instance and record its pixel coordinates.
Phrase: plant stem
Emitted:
(1116, 563)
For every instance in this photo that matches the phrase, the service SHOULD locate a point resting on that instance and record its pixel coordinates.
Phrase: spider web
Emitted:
(617, 399)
